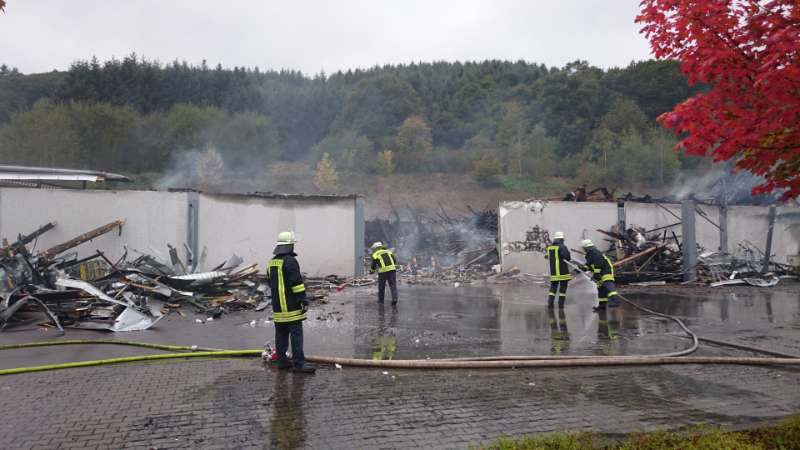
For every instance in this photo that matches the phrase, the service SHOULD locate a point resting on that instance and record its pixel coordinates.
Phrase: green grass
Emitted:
(784, 436)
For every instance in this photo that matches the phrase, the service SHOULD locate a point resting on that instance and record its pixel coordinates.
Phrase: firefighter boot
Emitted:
(305, 368)
(284, 364)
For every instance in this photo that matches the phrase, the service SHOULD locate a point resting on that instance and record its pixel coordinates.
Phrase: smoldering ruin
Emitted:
(122, 260)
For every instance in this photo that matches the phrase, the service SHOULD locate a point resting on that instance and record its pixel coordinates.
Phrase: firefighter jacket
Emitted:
(288, 291)
(383, 260)
(558, 255)
(600, 265)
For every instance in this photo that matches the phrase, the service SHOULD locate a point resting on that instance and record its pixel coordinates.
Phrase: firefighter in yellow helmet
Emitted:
(384, 263)
(603, 273)
(289, 303)
(558, 254)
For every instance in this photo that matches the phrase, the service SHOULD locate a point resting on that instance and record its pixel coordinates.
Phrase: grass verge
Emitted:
(784, 435)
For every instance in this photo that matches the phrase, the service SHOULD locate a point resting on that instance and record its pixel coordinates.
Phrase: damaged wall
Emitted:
(521, 223)
(226, 224)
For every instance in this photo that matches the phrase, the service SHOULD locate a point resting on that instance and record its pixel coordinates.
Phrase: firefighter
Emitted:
(289, 303)
(384, 263)
(558, 254)
(603, 273)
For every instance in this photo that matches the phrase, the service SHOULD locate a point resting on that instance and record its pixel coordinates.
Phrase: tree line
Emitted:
(503, 122)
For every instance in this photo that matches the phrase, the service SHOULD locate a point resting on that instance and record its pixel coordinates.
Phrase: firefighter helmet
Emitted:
(286, 237)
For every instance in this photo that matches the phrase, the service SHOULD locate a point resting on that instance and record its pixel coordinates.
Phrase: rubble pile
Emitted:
(460, 274)
(132, 293)
(438, 245)
(582, 194)
(641, 255)
(744, 266)
(656, 256)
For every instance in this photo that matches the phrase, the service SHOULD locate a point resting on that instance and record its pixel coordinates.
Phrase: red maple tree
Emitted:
(748, 53)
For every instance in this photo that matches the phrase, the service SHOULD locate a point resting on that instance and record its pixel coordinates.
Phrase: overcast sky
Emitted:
(42, 35)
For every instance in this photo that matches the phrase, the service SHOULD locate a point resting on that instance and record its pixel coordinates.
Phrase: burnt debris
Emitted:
(656, 256)
(132, 293)
(440, 246)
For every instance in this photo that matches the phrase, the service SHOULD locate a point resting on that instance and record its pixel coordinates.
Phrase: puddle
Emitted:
(443, 322)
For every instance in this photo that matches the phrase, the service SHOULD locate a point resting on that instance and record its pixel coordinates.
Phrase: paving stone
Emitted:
(236, 404)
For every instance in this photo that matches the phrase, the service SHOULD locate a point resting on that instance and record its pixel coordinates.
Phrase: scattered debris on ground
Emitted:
(132, 293)
(465, 275)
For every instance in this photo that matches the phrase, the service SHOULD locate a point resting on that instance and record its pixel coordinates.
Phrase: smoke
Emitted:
(193, 169)
(214, 170)
(721, 184)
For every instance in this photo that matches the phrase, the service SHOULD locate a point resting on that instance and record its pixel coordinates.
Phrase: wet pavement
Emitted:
(231, 403)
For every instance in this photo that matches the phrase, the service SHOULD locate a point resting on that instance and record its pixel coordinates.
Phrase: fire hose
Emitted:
(490, 362)
(529, 362)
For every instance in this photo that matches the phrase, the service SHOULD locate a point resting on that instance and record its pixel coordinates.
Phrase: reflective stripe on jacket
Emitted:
(601, 265)
(558, 254)
(288, 291)
(383, 260)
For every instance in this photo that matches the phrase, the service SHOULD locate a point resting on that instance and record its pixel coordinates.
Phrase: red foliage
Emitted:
(748, 53)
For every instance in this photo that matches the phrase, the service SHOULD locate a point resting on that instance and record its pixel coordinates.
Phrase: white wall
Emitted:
(580, 220)
(249, 226)
(154, 219)
(245, 225)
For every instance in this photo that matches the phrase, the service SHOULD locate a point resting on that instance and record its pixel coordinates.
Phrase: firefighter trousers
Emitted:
(391, 278)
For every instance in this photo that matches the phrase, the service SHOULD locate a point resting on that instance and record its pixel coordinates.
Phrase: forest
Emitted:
(502, 123)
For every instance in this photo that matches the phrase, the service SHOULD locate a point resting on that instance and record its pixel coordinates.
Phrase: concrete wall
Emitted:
(248, 226)
(330, 242)
(154, 219)
(580, 220)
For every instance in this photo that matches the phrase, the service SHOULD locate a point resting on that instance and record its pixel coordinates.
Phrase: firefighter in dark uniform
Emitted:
(289, 303)
(384, 263)
(603, 273)
(558, 254)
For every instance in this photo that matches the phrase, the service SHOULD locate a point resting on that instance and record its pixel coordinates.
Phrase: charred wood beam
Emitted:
(667, 210)
(99, 231)
(25, 240)
(703, 214)
(647, 262)
(644, 253)
(662, 228)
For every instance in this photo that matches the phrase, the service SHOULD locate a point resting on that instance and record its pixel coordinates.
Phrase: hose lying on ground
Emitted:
(174, 348)
(490, 362)
(101, 362)
(430, 363)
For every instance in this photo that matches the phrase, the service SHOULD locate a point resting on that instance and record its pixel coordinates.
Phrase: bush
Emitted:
(486, 170)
